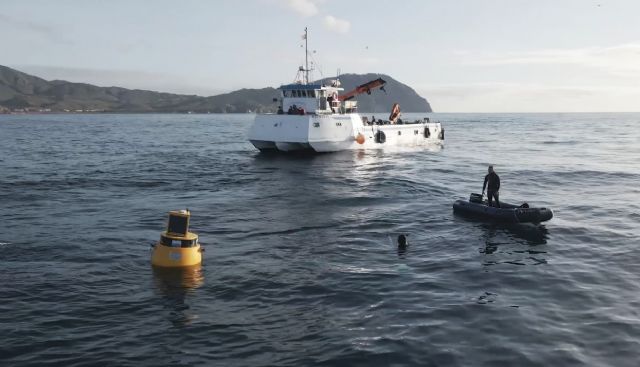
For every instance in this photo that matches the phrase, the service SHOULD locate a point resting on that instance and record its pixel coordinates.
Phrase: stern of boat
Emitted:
(279, 132)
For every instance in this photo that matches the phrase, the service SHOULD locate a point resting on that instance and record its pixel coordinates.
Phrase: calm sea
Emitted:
(300, 265)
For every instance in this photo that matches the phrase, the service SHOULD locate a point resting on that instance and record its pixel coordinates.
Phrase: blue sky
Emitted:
(463, 56)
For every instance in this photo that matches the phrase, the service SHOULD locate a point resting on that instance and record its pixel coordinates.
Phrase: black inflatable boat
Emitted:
(507, 213)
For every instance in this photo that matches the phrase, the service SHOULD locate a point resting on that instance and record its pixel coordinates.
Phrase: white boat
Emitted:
(321, 118)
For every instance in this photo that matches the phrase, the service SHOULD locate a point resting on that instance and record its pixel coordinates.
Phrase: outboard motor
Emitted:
(475, 198)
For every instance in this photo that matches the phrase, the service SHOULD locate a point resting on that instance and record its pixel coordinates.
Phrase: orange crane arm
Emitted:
(364, 88)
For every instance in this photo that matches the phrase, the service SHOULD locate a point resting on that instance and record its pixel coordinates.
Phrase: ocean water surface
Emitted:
(300, 265)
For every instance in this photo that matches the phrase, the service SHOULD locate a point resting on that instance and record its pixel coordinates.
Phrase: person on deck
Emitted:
(493, 181)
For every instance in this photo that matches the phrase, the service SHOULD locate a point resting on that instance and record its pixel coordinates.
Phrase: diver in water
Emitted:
(402, 242)
(493, 181)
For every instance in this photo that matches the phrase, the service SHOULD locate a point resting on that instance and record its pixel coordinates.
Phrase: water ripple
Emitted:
(301, 266)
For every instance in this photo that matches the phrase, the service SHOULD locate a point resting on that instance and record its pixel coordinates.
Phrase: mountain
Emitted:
(23, 92)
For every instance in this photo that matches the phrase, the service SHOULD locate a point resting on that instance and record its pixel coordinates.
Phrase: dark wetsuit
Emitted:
(492, 189)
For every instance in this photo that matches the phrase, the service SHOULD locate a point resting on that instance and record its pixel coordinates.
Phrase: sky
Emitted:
(463, 55)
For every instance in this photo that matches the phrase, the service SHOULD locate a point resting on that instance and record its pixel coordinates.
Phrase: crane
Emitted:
(364, 88)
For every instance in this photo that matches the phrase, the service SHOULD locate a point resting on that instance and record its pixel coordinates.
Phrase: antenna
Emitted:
(303, 71)
(306, 55)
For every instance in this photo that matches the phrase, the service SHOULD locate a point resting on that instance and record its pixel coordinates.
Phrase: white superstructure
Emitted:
(318, 117)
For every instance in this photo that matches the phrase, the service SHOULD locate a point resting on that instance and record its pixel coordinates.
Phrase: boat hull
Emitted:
(507, 213)
(336, 132)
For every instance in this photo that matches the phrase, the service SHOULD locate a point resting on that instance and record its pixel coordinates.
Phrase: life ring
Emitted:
(381, 138)
(360, 138)
(427, 132)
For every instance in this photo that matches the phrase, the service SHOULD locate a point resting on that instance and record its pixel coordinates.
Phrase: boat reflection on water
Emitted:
(529, 234)
(175, 285)
(515, 244)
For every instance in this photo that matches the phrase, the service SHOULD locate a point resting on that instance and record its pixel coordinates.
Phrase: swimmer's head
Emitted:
(402, 241)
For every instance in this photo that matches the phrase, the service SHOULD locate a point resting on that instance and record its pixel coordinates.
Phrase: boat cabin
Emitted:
(301, 99)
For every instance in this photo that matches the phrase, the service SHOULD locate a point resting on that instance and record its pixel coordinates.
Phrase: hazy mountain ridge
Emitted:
(23, 92)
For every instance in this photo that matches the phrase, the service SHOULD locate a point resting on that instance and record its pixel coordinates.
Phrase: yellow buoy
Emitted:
(177, 246)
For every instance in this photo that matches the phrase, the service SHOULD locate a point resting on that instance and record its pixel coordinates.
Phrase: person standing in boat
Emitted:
(492, 184)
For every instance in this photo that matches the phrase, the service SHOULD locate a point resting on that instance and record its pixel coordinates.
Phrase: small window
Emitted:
(188, 243)
(312, 93)
(304, 94)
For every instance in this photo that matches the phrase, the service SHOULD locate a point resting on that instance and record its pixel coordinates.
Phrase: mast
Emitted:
(306, 55)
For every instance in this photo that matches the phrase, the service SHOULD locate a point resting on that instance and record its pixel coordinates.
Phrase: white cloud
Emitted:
(45, 30)
(529, 97)
(336, 24)
(306, 8)
(586, 79)
(621, 60)
(309, 8)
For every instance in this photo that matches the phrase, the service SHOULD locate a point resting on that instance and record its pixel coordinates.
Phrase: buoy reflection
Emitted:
(176, 285)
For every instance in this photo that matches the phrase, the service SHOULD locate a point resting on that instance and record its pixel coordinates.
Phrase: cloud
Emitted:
(43, 30)
(530, 97)
(306, 8)
(26, 24)
(310, 8)
(336, 24)
(620, 60)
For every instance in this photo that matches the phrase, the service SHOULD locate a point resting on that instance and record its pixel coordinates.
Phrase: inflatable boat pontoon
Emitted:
(507, 213)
